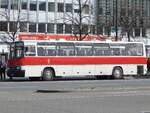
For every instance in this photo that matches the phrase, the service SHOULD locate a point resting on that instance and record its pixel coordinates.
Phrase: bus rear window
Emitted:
(134, 49)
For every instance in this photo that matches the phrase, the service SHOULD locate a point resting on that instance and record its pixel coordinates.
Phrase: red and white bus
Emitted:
(50, 59)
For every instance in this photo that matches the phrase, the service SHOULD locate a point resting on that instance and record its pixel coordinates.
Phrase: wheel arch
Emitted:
(49, 68)
(118, 67)
(121, 72)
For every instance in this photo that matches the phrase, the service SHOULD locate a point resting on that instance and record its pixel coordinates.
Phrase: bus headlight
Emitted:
(18, 67)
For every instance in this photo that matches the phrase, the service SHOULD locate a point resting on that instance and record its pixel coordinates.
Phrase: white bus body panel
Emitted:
(81, 70)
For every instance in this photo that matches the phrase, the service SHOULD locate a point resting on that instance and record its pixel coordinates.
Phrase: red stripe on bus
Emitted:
(76, 61)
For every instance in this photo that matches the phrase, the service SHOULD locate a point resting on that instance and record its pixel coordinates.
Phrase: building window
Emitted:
(50, 28)
(86, 9)
(85, 29)
(42, 6)
(76, 29)
(68, 7)
(3, 26)
(14, 4)
(60, 7)
(13, 27)
(51, 6)
(41, 27)
(4, 4)
(92, 29)
(76, 8)
(100, 11)
(33, 5)
(24, 4)
(23, 27)
(99, 30)
(68, 29)
(143, 32)
(60, 28)
(32, 27)
(137, 32)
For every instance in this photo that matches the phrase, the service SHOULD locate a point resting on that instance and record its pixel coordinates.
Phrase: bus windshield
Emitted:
(16, 50)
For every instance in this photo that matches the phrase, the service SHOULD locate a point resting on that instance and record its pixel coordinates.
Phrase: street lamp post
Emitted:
(116, 25)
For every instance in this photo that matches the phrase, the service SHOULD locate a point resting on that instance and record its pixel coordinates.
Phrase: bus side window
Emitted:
(81, 52)
(71, 53)
(84, 49)
(89, 52)
(65, 49)
(51, 52)
(123, 53)
(30, 50)
(116, 52)
(62, 52)
(77, 51)
(40, 51)
(98, 52)
(107, 53)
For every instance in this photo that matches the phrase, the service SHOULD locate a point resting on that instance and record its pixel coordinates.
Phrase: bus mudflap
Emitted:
(140, 70)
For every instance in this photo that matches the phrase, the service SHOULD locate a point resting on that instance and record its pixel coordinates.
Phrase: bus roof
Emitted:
(34, 41)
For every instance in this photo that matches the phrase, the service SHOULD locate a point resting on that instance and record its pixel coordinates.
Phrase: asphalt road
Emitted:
(75, 96)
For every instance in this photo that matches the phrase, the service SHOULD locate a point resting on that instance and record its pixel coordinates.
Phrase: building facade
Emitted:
(60, 17)
(52, 18)
(131, 17)
(45, 16)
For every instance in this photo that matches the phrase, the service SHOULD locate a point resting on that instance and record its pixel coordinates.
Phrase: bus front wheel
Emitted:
(48, 74)
(117, 73)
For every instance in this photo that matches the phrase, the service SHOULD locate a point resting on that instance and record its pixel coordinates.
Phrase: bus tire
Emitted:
(117, 73)
(48, 74)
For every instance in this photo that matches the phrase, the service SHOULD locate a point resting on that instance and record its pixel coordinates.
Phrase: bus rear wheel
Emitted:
(117, 73)
(48, 74)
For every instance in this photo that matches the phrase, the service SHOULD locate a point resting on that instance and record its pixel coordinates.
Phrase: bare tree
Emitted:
(104, 17)
(131, 18)
(79, 20)
(12, 19)
(127, 25)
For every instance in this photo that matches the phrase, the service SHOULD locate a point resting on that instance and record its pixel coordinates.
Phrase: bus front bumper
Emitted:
(11, 72)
